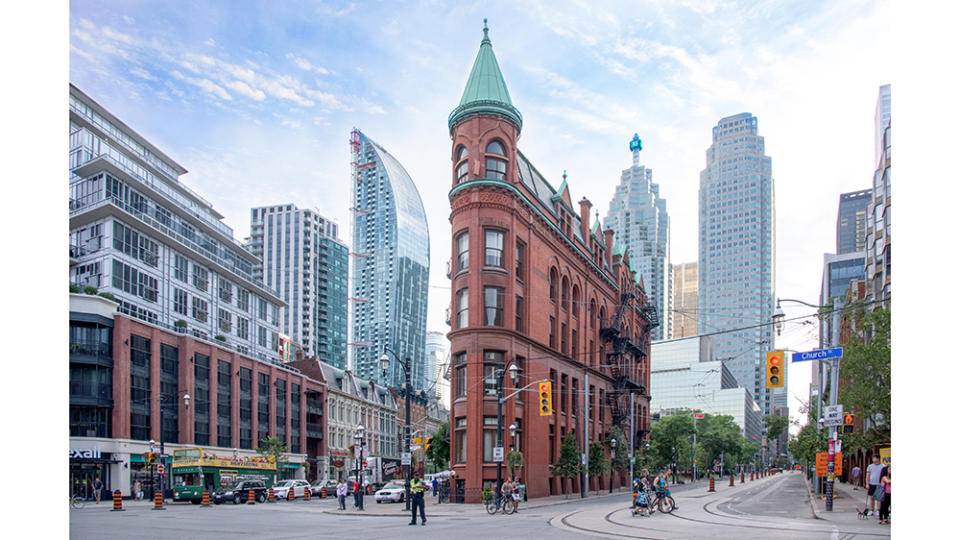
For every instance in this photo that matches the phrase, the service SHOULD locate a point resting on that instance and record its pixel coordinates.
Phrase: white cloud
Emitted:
(305, 64)
(129, 20)
(142, 73)
(242, 88)
(210, 42)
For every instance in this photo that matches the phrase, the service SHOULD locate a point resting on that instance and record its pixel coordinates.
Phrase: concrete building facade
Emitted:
(304, 260)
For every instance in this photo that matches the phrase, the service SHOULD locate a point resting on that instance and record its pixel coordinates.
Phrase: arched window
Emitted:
(593, 313)
(575, 308)
(564, 293)
(603, 315)
(496, 166)
(463, 165)
(553, 285)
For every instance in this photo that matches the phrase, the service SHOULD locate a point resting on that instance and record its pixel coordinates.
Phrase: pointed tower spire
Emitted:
(486, 92)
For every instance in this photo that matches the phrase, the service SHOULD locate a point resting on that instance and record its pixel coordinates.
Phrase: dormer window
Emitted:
(496, 162)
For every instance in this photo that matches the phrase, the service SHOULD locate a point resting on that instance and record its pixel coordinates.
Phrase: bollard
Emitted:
(751, 477)
(306, 494)
(205, 499)
(158, 501)
(323, 492)
(731, 480)
(290, 496)
(369, 489)
(711, 486)
(250, 495)
(741, 478)
(117, 501)
(270, 496)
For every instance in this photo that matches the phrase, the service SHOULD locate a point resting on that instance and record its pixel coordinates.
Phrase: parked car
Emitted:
(331, 486)
(392, 492)
(239, 492)
(282, 489)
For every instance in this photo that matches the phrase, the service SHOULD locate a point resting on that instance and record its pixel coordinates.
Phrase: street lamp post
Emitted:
(513, 377)
(613, 458)
(778, 317)
(361, 443)
(385, 365)
(186, 404)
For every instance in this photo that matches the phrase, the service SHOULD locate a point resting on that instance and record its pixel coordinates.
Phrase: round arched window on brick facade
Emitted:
(496, 166)
(463, 164)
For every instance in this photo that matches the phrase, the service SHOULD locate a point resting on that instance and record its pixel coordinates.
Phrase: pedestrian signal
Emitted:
(847, 423)
(546, 399)
(775, 369)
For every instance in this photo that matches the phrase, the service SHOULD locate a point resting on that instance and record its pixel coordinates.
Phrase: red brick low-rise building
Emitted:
(534, 286)
(120, 367)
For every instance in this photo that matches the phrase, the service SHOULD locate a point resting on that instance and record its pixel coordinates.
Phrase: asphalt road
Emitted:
(775, 508)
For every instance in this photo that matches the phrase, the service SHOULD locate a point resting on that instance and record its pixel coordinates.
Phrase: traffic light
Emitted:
(148, 457)
(775, 369)
(847, 423)
(427, 446)
(546, 399)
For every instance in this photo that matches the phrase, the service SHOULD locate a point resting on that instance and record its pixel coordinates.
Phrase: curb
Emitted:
(813, 507)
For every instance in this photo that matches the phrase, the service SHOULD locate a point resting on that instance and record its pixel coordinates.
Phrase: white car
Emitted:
(392, 492)
(282, 489)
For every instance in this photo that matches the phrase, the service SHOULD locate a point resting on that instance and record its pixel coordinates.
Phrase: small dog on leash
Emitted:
(862, 514)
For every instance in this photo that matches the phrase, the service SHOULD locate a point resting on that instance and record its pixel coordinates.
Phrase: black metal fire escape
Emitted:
(624, 350)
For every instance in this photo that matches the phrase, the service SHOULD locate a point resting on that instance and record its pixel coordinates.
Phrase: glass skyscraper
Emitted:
(852, 221)
(737, 248)
(306, 263)
(391, 265)
(639, 219)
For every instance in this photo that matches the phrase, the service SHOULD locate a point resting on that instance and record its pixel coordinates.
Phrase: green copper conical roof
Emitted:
(486, 92)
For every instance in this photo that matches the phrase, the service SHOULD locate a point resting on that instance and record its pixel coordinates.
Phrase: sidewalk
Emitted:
(846, 504)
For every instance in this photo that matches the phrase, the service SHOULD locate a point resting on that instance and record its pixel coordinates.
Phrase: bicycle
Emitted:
(662, 501)
(77, 502)
(505, 503)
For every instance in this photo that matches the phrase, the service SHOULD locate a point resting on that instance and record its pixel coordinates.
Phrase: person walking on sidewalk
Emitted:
(97, 489)
(434, 486)
(855, 473)
(356, 494)
(874, 471)
(417, 487)
(342, 494)
(885, 502)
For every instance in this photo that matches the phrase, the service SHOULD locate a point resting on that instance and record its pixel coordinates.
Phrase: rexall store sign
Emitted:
(85, 453)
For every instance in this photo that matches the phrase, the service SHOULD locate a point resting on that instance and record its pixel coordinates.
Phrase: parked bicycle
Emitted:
(504, 503)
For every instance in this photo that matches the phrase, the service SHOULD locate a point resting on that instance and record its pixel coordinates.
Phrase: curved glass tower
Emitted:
(391, 267)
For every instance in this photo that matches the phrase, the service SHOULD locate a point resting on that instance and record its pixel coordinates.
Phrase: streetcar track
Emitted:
(606, 533)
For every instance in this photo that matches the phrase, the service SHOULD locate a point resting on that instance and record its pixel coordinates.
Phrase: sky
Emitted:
(257, 99)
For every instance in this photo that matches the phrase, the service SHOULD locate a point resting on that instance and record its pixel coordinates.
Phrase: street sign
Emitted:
(405, 458)
(160, 468)
(833, 416)
(821, 354)
(497, 454)
(823, 459)
(698, 416)
(583, 459)
(363, 465)
(633, 460)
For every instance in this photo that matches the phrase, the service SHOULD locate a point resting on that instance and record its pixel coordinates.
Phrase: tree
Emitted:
(621, 454)
(439, 452)
(514, 461)
(668, 436)
(568, 464)
(719, 436)
(865, 374)
(271, 446)
(598, 463)
(776, 425)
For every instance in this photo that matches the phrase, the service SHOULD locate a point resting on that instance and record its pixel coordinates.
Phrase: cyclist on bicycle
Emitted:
(506, 489)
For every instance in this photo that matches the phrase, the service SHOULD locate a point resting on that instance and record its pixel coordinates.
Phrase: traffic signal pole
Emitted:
(834, 381)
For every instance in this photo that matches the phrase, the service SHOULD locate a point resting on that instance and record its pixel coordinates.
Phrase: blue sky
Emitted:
(257, 99)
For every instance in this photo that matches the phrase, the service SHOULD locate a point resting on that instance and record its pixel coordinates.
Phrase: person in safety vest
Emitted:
(417, 487)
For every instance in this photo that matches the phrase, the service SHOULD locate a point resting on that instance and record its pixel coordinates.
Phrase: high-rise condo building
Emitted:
(306, 263)
(639, 219)
(438, 354)
(878, 218)
(684, 312)
(737, 249)
(391, 265)
(852, 221)
(159, 248)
